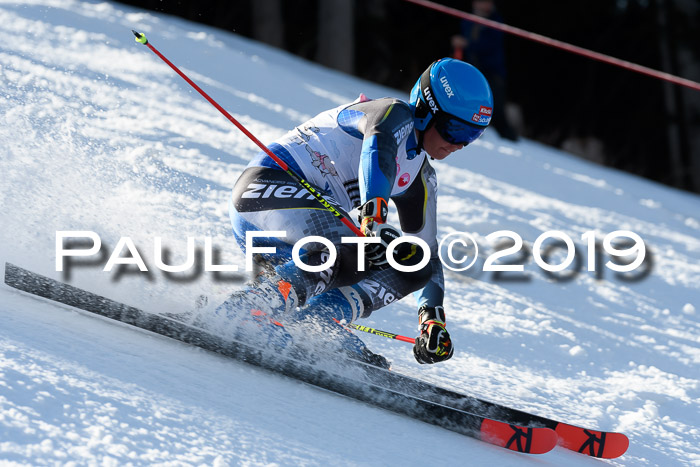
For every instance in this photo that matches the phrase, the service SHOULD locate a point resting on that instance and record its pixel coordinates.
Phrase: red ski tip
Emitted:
(518, 438)
(604, 444)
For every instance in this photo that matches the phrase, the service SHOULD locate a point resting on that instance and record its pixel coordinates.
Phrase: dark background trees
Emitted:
(617, 117)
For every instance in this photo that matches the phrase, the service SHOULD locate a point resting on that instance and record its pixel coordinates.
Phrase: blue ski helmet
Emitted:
(455, 97)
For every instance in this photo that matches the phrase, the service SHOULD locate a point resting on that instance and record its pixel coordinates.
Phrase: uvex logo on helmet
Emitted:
(447, 87)
(431, 102)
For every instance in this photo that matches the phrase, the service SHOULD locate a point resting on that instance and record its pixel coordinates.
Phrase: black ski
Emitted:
(533, 440)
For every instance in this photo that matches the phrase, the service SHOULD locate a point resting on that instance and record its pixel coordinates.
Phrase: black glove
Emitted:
(375, 253)
(434, 343)
(373, 217)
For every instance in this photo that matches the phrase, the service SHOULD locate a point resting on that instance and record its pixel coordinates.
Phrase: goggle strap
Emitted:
(426, 90)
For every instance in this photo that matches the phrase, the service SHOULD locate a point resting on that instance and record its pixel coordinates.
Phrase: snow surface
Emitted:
(98, 134)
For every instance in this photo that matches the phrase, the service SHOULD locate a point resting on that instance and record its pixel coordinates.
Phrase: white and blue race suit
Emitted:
(351, 153)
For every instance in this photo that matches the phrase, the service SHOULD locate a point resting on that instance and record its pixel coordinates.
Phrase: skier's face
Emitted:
(437, 147)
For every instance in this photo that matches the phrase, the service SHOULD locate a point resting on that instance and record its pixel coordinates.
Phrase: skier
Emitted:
(358, 155)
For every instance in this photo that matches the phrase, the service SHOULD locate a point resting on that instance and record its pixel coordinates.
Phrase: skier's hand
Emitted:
(375, 253)
(373, 217)
(434, 343)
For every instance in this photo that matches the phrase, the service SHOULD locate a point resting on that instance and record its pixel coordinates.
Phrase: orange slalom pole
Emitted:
(558, 44)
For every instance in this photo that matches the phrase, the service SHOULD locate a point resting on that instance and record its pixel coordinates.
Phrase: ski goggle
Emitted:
(457, 131)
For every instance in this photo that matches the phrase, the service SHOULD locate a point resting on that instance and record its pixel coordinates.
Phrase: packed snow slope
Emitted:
(97, 134)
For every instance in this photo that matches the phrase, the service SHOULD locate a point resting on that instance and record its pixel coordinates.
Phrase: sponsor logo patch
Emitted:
(255, 190)
(377, 289)
(481, 119)
(403, 132)
(404, 179)
(483, 110)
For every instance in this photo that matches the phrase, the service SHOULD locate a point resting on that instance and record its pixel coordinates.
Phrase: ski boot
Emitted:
(253, 314)
(325, 315)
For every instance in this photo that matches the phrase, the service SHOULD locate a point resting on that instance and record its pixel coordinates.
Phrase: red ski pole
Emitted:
(319, 197)
(377, 332)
